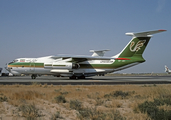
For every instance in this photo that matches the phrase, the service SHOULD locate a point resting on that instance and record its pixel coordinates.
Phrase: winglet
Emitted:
(145, 34)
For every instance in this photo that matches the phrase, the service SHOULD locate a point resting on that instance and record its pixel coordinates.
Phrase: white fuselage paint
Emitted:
(56, 67)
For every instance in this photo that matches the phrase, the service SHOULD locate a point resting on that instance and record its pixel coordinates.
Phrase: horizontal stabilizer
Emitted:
(145, 34)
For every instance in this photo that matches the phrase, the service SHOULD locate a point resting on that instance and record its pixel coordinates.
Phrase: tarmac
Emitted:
(96, 80)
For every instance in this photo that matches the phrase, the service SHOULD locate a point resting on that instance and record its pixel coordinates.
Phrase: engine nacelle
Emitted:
(75, 66)
(61, 65)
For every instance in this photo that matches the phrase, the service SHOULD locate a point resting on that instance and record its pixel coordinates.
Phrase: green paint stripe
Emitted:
(48, 64)
(23, 64)
(59, 65)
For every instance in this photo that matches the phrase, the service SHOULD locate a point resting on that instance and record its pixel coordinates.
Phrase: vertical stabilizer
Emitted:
(137, 44)
(167, 70)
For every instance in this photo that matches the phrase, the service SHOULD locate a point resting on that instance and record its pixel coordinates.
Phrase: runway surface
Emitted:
(97, 80)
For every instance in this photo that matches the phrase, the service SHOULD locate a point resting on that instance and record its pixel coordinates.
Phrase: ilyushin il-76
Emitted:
(79, 66)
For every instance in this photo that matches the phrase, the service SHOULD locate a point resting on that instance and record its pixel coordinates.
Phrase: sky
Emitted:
(37, 28)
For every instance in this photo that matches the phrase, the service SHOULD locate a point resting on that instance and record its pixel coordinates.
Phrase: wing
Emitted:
(99, 53)
(79, 58)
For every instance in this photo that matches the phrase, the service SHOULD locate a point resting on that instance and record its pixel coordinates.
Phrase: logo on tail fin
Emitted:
(137, 46)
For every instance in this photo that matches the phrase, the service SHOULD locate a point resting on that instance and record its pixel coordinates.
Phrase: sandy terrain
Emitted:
(104, 102)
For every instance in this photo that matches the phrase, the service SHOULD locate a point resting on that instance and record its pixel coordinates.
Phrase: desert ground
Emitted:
(81, 102)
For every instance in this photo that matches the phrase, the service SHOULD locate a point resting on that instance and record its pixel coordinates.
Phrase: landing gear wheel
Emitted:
(33, 76)
(76, 77)
(73, 77)
(81, 77)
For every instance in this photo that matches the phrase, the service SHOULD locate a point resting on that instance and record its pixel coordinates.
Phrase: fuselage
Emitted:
(62, 67)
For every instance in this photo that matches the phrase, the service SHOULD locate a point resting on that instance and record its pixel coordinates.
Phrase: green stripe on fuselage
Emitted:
(24, 64)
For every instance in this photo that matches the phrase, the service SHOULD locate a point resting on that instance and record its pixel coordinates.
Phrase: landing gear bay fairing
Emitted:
(79, 67)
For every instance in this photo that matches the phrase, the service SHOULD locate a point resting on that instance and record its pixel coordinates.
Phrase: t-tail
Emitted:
(132, 54)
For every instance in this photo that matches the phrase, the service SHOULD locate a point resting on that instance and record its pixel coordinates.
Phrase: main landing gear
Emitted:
(33, 76)
(76, 77)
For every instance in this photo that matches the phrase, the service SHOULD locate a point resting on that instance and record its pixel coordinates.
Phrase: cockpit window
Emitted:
(14, 61)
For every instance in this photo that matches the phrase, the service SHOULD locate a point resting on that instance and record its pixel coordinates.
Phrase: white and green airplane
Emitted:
(79, 67)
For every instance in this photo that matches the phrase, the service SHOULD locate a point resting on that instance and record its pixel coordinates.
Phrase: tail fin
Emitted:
(137, 44)
(167, 70)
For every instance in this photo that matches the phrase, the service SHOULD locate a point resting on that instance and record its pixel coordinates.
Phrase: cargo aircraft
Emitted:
(79, 66)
